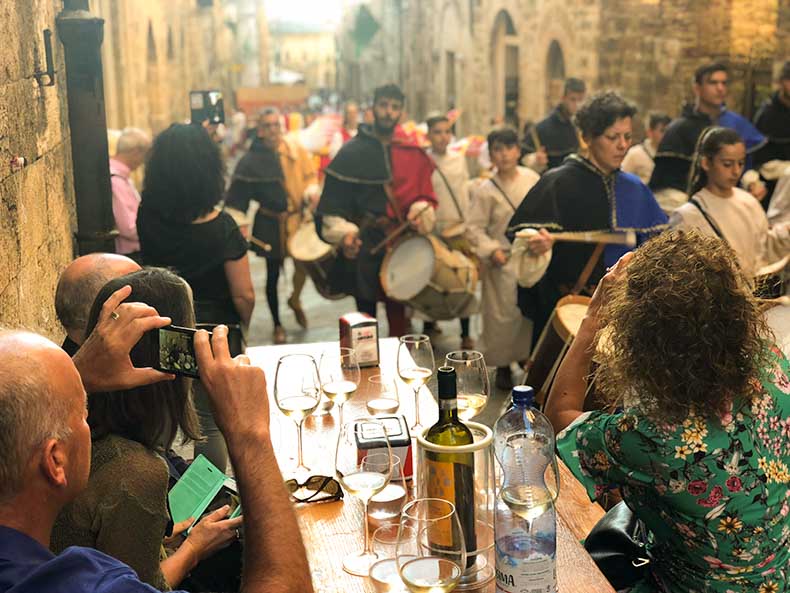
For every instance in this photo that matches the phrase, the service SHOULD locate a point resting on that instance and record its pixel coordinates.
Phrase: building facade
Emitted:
(307, 49)
(505, 60)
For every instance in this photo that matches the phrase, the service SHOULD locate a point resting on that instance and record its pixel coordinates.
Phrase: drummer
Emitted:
(451, 184)
(717, 206)
(585, 193)
(379, 181)
(278, 173)
(506, 334)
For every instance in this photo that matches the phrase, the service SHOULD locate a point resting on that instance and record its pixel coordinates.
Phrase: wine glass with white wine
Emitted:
(415, 366)
(386, 398)
(297, 391)
(340, 375)
(363, 466)
(471, 380)
(431, 553)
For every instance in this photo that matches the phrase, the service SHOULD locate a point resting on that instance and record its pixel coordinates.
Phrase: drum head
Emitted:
(568, 315)
(306, 245)
(408, 268)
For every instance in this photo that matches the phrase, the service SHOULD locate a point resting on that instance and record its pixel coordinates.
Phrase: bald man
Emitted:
(77, 288)
(46, 447)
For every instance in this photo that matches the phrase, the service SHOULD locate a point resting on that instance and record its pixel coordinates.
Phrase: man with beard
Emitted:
(675, 154)
(377, 181)
(278, 173)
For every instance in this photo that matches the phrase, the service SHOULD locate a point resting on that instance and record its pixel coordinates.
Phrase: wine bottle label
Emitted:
(522, 569)
(448, 404)
(441, 484)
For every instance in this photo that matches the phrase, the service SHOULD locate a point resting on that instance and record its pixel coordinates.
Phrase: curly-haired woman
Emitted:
(700, 450)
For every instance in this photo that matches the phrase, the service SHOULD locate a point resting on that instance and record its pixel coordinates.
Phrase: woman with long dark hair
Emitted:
(718, 207)
(123, 511)
(182, 228)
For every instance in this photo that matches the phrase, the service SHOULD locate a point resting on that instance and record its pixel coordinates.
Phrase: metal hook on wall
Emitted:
(50, 71)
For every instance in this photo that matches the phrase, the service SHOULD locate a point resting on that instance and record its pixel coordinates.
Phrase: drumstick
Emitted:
(627, 238)
(397, 232)
(261, 244)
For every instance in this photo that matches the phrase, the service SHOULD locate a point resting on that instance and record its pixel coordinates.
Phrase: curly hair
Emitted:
(601, 111)
(686, 332)
(184, 175)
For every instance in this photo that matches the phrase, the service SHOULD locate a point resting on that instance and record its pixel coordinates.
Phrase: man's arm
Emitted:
(274, 556)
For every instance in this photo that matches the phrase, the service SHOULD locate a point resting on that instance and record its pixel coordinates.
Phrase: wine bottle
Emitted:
(451, 475)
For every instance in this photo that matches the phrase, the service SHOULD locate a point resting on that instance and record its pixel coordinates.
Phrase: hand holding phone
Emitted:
(176, 347)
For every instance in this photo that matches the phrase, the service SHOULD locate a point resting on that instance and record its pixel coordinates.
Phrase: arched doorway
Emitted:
(504, 69)
(555, 74)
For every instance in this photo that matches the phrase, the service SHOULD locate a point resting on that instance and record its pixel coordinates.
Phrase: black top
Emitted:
(197, 253)
(557, 135)
(675, 153)
(773, 120)
(70, 347)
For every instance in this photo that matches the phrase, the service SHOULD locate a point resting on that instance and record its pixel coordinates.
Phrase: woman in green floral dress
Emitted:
(701, 450)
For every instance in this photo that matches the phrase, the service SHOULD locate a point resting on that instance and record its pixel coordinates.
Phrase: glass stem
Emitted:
(367, 549)
(417, 406)
(299, 463)
(340, 413)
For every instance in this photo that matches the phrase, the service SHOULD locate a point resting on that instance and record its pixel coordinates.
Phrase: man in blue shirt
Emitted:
(46, 447)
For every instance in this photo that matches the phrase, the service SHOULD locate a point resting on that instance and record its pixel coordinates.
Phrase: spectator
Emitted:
(78, 286)
(46, 461)
(181, 228)
(133, 146)
(639, 159)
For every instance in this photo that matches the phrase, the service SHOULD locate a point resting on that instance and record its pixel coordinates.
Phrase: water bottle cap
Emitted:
(523, 395)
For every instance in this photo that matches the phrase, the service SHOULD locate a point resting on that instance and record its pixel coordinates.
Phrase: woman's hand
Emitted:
(212, 533)
(613, 275)
(178, 529)
(541, 242)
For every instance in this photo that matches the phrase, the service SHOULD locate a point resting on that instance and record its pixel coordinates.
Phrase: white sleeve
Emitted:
(529, 268)
(334, 228)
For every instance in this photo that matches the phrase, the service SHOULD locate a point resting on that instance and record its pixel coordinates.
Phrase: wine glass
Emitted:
(386, 399)
(415, 366)
(339, 372)
(471, 380)
(363, 466)
(297, 391)
(431, 553)
(384, 575)
(385, 507)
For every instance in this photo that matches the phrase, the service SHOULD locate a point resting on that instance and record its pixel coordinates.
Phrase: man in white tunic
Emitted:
(451, 184)
(507, 335)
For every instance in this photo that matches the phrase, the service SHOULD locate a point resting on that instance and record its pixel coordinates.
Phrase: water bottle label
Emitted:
(521, 568)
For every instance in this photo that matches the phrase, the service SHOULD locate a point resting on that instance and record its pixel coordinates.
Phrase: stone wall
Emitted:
(37, 214)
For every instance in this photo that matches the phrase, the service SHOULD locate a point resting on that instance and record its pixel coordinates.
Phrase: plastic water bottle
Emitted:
(525, 528)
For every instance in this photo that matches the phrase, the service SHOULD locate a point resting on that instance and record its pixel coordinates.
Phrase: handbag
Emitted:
(617, 546)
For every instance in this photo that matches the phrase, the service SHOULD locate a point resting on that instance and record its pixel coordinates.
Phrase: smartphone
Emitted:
(176, 346)
(207, 106)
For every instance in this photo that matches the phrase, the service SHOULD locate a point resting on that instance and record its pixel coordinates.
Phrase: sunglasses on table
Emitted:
(314, 489)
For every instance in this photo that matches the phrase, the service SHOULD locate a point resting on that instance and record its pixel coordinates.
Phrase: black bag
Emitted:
(617, 546)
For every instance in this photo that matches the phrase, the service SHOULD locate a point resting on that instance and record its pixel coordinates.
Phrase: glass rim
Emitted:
(414, 338)
(295, 355)
(420, 501)
(474, 356)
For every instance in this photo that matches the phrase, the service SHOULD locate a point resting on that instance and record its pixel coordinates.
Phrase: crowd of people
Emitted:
(694, 432)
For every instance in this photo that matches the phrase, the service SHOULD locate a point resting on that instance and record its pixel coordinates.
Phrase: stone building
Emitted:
(306, 48)
(153, 53)
(507, 59)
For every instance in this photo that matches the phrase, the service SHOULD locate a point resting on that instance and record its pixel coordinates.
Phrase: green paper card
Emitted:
(201, 489)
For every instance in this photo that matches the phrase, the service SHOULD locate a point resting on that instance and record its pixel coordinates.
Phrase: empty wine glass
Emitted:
(431, 553)
(339, 372)
(384, 576)
(297, 391)
(363, 466)
(385, 399)
(471, 380)
(415, 366)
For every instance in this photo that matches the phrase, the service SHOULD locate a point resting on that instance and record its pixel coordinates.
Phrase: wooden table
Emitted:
(332, 530)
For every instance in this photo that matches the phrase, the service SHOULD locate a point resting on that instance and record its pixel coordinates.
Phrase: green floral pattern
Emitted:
(714, 494)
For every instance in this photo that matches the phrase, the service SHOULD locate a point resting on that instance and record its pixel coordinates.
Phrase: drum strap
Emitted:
(581, 282)
(695, 202)
(452, 194)
(392, 201)
(504, 195)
